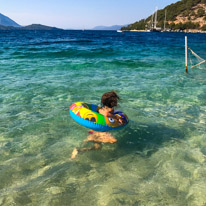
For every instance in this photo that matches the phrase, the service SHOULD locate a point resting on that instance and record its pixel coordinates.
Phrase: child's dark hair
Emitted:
(110, 99)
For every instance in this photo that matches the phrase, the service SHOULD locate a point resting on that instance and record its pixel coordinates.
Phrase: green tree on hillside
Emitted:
(204, 27)
(172, 25)
(192, 13)
(201, 12)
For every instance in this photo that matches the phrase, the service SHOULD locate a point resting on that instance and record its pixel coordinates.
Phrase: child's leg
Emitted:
(104, 137)
(95, 147)
(97, 138)
(76, 151)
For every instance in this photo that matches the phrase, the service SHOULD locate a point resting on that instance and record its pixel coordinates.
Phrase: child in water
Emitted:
(109, 100)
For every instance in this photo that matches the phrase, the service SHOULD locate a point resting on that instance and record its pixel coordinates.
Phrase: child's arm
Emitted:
(119, 119)
(110, 114)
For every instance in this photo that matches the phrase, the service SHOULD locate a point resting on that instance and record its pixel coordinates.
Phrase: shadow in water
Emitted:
(139, 138)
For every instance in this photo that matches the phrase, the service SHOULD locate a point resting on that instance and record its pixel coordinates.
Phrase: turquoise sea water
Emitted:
(159, 158)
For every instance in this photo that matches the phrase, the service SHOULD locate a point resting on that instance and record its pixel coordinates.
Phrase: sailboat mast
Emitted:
(155, 24)
(165, 18)
(152, 21)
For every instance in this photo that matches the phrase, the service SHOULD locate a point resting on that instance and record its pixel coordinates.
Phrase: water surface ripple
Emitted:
(159, 158)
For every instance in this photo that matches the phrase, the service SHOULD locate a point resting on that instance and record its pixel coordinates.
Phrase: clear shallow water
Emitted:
(159, 158)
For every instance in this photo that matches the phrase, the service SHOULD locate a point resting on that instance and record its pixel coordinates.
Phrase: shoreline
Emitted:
(176, 31)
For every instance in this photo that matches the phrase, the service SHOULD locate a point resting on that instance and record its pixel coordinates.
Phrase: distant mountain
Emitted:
(29, 27)
(39, 27)
(182, 15)
(8, 24)
(114, 27)
(6, 21)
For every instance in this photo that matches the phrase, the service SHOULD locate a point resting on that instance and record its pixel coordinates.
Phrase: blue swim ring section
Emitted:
(94, 126)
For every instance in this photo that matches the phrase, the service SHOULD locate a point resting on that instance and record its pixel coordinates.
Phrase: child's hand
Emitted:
(121, 120)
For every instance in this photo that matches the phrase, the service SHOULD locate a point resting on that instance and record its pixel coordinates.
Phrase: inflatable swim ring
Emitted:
(88, 116)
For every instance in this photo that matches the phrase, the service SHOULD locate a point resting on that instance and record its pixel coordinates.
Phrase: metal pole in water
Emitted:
(186, 54)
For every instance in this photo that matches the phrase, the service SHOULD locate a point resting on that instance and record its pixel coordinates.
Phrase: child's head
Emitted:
(110, 99)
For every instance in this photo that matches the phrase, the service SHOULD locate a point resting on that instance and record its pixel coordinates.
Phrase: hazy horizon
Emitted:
(80, 15)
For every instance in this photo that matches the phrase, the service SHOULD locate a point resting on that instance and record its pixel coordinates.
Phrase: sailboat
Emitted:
(166, 29)
(153, 24)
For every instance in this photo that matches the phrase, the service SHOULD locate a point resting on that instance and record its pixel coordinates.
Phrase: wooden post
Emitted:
(186, 54)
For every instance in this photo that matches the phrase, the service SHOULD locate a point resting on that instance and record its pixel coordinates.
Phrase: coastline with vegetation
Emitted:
(184, 16)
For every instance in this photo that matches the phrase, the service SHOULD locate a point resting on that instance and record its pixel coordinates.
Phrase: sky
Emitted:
(79, 14)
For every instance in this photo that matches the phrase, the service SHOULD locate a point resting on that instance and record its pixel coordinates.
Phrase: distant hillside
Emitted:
(114, 27)
(39, 27)
(29, 27)
(8, 24)
(6, 21)
(183, 15)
